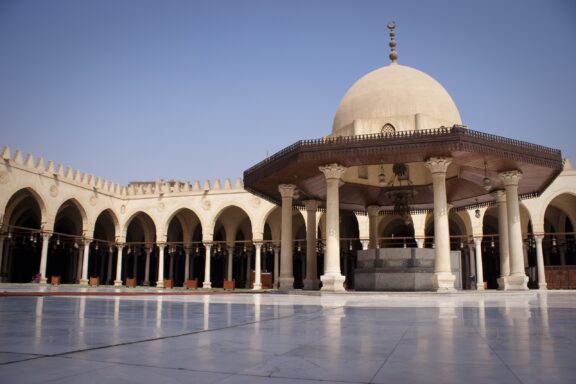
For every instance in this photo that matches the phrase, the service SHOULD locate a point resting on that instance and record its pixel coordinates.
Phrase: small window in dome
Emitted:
(388, 129)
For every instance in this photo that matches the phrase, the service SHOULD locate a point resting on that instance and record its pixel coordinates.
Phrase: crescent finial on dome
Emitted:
(393, 54)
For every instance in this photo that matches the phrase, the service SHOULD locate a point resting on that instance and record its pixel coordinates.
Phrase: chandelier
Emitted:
(402, 192)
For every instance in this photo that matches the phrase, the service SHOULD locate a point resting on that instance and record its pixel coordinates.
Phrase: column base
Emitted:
(43, 280)
(146, 284)
(443, 282)
(257, 287)
(333, 283)
(83, 282)
(311, 285)
(286, 283)
(207, 284)
(117, 283)
(542, 286)
(513, 283)
(160, 284)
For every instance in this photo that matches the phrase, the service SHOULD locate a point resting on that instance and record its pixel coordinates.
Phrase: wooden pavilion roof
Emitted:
(476, 155)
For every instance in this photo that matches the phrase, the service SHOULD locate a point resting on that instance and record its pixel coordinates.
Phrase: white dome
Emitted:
(403, 97)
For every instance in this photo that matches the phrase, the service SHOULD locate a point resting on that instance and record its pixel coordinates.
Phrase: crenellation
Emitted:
(207, 186)
(59, 170)
(77, 176)
(6, 153)
(50, 167)
(239, 184)
(68, 174)
(196, 186)
(40, 164)
(17, 157)
(29, 162)
(227, 184)
(217, 186)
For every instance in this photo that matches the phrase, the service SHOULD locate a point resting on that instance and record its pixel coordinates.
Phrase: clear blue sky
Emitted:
(144, 90)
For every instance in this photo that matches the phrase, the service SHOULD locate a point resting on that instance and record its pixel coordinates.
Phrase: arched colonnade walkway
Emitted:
(71, 247)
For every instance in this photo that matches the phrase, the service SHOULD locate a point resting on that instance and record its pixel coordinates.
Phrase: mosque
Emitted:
(401, 195)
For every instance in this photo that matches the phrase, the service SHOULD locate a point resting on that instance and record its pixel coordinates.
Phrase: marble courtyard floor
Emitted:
(101, 335)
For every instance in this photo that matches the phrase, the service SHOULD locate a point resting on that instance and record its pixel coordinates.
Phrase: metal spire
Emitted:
(393, 54)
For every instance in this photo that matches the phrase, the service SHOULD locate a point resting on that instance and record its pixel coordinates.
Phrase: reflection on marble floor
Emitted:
(492, 337)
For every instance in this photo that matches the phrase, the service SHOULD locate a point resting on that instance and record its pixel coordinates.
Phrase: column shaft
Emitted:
(479, 267)
(540, 262)
(44, 258)
(118, 281)
(84, 278)
(160, 281)
(147, 267)
(443, 276)
(207, 283)
(276, 266)
(373, 211)
(311, 281)
(187, 266)
(517, 279)
(286, 279)
(229, 263)
(332, 280)
(504, 244)
(257, 267)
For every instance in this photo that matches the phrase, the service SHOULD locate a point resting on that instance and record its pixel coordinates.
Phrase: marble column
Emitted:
(276, 266)
(2, 237)
(84, 277)
(207, 283)
(160, 281)
(517, 280)
(286, 279)
(258, 266)
(332, 279)
(540, 262)
(118, 281)
(373, 211)
(419, 242)
(479, 267)
(44, 257)
(249, 268)
(311, 281)
(171, 270)
(443, 279)
(147, 267)
(229, 263)
(110, 260)
(187, 265)
(365, 244)
(504, 245)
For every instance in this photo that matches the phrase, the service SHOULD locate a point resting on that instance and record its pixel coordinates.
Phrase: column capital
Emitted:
(538, 237)
(311, 205)
(373, 210)
(161, 244)
(499, 195)
(332, 171)
(510, 177)
(478, 239)
(438, 164)
(287, 190)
